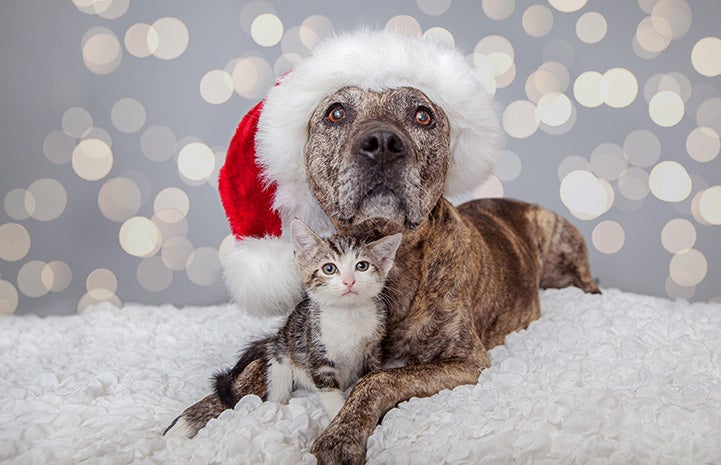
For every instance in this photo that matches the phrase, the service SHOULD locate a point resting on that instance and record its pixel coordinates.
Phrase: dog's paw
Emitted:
(340, 447)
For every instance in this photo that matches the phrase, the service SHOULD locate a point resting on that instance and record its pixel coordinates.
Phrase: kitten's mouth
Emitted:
(349, 292)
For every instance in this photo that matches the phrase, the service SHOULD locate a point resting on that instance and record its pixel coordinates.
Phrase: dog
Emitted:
(463, 278)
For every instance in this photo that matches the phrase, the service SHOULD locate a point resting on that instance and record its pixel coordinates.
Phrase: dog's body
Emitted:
(463, 277)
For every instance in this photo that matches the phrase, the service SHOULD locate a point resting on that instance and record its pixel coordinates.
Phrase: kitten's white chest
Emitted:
(347, 333)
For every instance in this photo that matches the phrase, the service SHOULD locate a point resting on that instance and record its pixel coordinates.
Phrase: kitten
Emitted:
(333, 336)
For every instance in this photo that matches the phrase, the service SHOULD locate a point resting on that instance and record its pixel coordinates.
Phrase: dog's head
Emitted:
(375, 125)
(382, 155)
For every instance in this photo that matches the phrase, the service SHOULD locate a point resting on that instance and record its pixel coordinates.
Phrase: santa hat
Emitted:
(263, 183)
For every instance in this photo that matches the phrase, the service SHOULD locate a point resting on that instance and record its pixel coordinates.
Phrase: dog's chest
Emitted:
(348, 335)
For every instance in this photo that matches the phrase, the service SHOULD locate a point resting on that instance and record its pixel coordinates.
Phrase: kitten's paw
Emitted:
(180, 428)
(343, 447)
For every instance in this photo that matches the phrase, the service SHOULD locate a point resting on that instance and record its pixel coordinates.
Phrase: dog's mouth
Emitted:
(386, 203)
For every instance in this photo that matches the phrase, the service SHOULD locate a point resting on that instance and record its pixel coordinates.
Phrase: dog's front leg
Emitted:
(344, 441)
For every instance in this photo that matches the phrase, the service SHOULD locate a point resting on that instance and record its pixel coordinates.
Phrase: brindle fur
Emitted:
(463, 278)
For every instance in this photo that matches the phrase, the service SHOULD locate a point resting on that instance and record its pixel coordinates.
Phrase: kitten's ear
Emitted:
(385, 250)
(305, 242)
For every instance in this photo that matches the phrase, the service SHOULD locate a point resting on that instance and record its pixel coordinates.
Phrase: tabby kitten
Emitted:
(333, 336)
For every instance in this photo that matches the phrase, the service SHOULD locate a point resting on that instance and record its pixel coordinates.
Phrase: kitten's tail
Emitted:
(224, 380)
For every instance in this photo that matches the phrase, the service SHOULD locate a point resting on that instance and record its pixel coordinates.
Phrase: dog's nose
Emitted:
(381, 146)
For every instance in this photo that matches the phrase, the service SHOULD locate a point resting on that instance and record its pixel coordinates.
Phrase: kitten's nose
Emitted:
(349, 283)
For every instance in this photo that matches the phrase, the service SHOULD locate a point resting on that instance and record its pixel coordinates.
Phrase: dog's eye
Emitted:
(423, 116)
(329, 269)
(336, 114)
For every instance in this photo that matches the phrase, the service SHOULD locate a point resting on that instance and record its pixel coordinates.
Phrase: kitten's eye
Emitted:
(336, 114)
(423, 116)
(329, 269)
(362, 266)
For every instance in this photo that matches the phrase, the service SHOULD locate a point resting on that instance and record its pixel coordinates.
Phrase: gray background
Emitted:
(43, 75)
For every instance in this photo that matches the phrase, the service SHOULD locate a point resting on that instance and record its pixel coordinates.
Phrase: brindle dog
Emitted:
(463, 278)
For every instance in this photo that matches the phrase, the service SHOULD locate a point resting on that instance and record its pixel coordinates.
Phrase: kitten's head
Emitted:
(342, 269)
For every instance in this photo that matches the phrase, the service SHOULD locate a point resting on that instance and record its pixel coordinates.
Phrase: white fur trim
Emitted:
(375, 60)
(262, 277)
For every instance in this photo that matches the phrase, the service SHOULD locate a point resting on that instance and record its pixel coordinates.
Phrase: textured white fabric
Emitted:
(612, 379)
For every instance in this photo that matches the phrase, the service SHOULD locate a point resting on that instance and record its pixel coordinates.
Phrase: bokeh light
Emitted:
(204, 267)
(119, 199)
(140, 237)
(128, 115)
(56, 276)
(688, 267)
(19, 204)
(666, 108)
(141, 40)
(87, 301)
(537, 20)
(567, 6)
(172, 38)
(101, 50)
(49, 199)
(608, 237)
(434, 7)
(619, 87)
(554, 109)
(158, 143)
(703, 144)
(14, 242)
(491, 188)
(586, 196)
(101, 284)
(633, 183)
(587, 89)
(175, 252)
(674, 291)
(508, 166)
(153, 275)
(498, 9)
(92, 159)
(196, 161)
(58, 147)
(8, 298)
(216, 86)
(642, 148)
(591, 27)
(314, 28)
(608, 161)
(520, 119)
(266, 30)
(406, 24)
(572, 163)
(710, 205)
(440, 35)
(171, 204)
(252, 77)
(671, 18)
(30, 280)
(706, 56)
(669, 181)
(76, 122)
(252, 10)
(678, 235)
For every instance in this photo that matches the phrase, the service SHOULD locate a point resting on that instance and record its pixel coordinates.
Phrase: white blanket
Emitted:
(617, 378)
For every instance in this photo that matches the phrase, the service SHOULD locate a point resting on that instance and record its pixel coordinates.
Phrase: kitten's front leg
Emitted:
(280, 380)
(332, 400)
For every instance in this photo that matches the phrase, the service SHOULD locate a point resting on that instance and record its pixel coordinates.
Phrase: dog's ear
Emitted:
(306, 243)
(385, 250)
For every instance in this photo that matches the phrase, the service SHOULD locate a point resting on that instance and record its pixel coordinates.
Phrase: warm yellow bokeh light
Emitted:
(567, 6)
(56, 276)
(101, 283)
(8, 298)
(619, 87)
(216, 86)
(30, 280)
